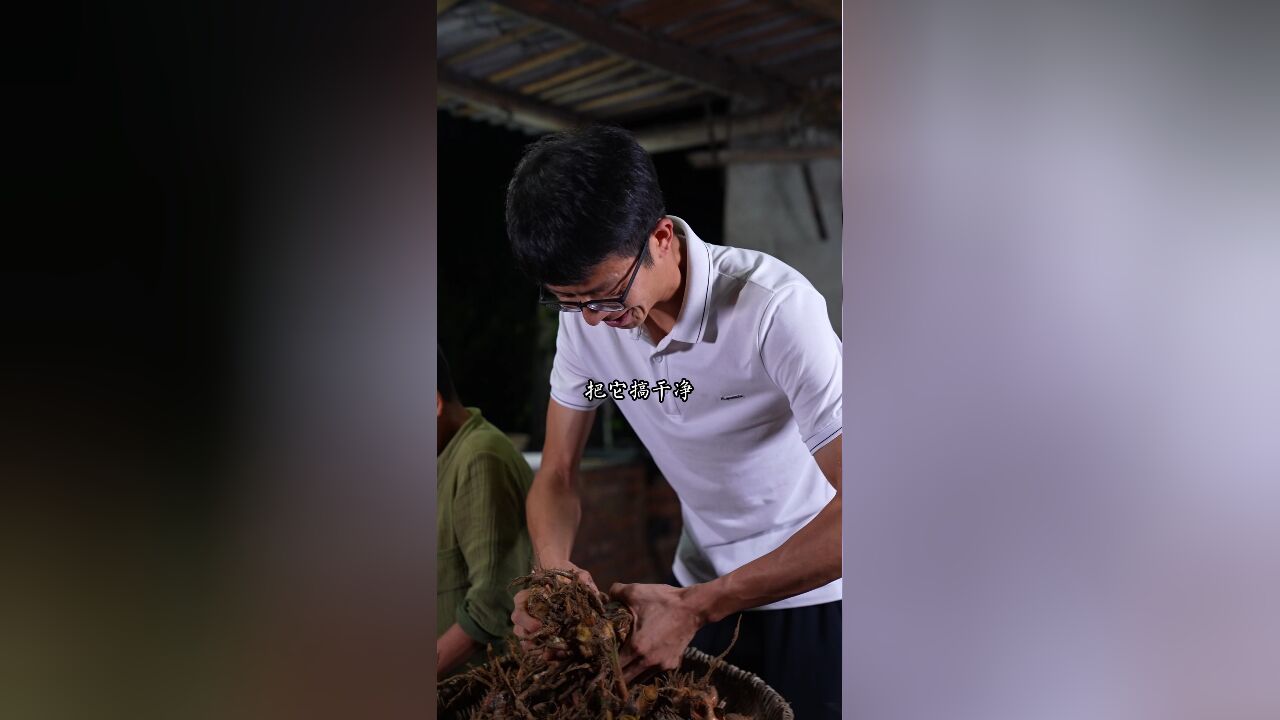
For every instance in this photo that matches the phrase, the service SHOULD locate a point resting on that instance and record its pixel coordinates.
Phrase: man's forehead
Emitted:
(602, 277)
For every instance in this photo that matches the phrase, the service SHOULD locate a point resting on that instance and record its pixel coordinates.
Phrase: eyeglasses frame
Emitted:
(621, 300)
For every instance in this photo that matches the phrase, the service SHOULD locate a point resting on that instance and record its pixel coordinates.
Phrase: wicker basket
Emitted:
(743, 692)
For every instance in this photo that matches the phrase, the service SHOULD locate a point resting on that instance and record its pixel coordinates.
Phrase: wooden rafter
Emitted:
(493, 44)
(536, 62)
(624, 95)
(519, 108)
(595, 90)
(568, 89)
(565, 76)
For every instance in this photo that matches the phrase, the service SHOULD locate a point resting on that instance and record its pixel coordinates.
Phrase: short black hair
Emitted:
(444, 379)
(579, 197)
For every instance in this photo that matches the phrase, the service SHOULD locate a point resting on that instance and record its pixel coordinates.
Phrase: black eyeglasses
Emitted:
(606, 305)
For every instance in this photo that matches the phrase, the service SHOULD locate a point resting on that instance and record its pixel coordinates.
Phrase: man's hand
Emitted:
(526, 624)
(666, 620)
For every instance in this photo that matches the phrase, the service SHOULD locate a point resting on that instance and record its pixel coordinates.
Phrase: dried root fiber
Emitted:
(571, 669)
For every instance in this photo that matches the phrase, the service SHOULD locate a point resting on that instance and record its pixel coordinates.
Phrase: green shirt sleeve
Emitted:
(488, 516)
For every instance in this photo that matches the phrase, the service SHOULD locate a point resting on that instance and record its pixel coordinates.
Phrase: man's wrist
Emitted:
(551, 559)
(709, 601)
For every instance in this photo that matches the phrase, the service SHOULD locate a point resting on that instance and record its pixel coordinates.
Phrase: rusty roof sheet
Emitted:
(499, 65)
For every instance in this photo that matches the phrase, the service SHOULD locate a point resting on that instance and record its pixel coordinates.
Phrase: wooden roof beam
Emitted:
(698, 133)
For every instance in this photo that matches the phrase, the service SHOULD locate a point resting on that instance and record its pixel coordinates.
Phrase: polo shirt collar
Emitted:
(692, 320)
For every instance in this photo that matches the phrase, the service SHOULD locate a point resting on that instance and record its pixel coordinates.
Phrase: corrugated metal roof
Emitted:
(540, 64)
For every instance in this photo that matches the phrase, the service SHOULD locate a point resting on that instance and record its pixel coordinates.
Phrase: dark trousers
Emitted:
(796, 651)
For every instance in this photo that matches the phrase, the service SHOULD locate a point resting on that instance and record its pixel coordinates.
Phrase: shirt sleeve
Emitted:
(489, 522)
(568, 375)
(801, 354)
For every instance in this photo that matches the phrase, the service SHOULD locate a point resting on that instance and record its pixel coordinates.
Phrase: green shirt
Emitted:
(483, 542)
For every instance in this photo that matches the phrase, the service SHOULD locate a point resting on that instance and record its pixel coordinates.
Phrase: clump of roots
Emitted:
(571, 669)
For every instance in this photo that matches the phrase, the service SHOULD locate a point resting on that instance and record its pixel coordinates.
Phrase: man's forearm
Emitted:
(453, 648)
(807, 560)
(553, 510)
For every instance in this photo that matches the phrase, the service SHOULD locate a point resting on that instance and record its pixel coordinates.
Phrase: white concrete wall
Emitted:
(767, 208)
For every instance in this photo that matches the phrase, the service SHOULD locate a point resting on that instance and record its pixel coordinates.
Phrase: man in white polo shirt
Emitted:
(725, 364)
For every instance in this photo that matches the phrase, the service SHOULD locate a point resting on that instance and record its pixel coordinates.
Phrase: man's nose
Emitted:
(593, 317)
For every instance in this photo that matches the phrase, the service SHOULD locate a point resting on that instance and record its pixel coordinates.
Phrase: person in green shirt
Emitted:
(483, 542)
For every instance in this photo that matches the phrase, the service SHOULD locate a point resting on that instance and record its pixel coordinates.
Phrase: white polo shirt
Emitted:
(754, 341)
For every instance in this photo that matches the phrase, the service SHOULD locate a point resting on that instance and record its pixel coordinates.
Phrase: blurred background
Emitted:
(738, 102)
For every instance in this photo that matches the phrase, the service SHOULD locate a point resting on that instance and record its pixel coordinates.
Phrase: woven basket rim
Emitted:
(735, 675)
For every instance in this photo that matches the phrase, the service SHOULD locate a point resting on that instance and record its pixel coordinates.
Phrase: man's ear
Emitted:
(439, 404)
(664, 234)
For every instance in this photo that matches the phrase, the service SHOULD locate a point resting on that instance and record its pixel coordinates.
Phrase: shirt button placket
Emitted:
(656, 362)
(669, 400)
